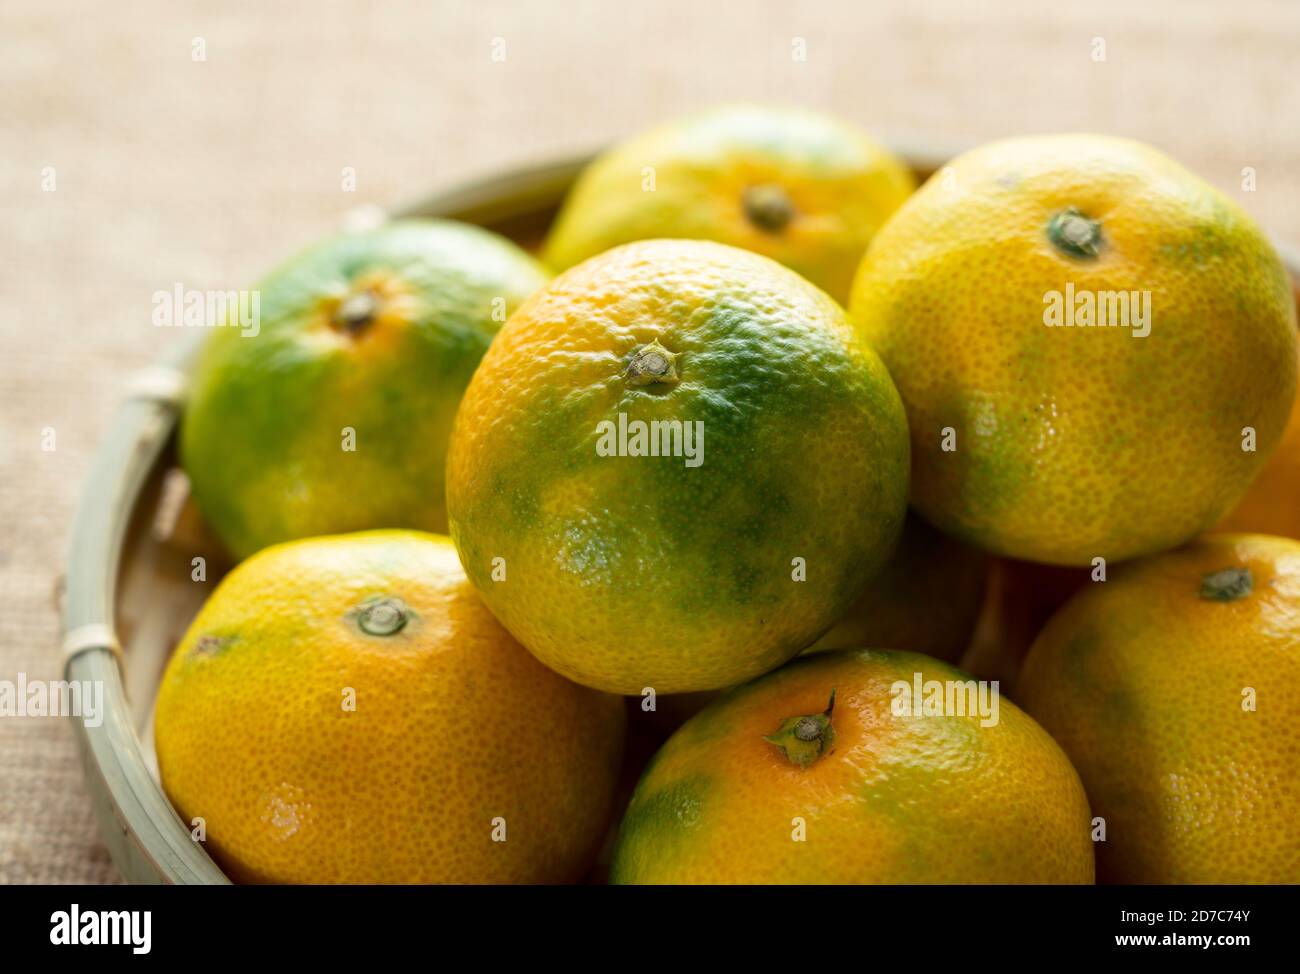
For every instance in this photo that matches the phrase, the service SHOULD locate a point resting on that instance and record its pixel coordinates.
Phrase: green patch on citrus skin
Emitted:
(326, 421)
(1218, 233)
(1077, 653)
(666, 823)
(890, 797)
(1082, 665)
(1120, 708)
(982, 453)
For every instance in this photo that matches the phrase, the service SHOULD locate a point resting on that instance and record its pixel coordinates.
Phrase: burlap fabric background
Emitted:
(203, 172)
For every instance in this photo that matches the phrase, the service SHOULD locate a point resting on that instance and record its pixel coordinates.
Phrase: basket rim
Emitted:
(144, 834)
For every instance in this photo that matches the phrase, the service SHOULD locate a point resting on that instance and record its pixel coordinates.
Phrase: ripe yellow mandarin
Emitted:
(346, 710)
(1172, 687)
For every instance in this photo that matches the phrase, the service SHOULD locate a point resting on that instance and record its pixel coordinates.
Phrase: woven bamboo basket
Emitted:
(128, 594)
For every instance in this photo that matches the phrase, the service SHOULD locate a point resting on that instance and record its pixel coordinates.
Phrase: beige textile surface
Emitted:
(170, 170)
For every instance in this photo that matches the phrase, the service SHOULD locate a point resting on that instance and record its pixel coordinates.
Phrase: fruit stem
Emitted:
(1227, 585)
(650, 364)
(806, 738)
(768, 207)
(1074, 234)
(382, 617)
(357, 311)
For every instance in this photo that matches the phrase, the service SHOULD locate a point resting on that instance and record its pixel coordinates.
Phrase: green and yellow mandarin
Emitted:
(779, 782)
(623, 572)
(802, 188)
(335, 416)
(1062, 444)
